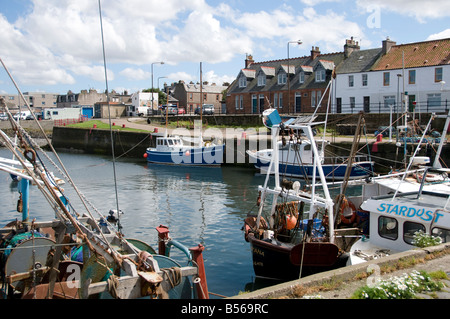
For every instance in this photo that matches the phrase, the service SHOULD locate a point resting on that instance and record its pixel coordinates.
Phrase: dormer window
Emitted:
(282, 79)
(320, 75)
(242, 81)
(301, 78)
(261, 80)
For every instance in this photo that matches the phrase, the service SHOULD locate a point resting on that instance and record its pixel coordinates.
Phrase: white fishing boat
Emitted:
(296, 160)
(394, 221)
(297, 235)
(398, 205)
(172, 150)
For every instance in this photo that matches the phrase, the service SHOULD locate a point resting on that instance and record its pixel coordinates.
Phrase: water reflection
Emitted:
(199, 205)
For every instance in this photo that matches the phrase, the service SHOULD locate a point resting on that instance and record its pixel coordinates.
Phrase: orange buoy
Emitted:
(291, 221)
(145, 155)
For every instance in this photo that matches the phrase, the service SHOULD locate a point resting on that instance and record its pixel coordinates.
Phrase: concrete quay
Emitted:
(343, 282)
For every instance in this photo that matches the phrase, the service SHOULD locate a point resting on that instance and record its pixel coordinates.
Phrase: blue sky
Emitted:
(54, 45)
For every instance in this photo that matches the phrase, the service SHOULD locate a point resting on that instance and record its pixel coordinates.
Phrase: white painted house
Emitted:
(375, 80)
(142, 103)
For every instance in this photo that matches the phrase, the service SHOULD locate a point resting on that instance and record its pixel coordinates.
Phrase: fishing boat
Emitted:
(401, 204)
(395, 220)
(77, 255)
(296, 158)
(297, 236)
(172, 150)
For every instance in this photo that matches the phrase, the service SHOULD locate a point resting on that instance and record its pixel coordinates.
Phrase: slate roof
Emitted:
(419, 54)
(359, 61)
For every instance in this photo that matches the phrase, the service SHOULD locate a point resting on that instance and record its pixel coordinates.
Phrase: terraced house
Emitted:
(414, 76)
(292, 85)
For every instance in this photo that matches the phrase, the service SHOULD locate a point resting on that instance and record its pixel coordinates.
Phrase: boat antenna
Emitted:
(109, 116)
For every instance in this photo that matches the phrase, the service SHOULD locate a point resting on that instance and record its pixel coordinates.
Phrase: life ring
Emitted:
(346, 204)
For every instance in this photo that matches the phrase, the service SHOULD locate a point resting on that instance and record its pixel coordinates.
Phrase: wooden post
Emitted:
(163, 236)
(202, 287)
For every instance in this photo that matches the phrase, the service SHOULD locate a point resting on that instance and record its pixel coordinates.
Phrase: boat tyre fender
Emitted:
(346, 204)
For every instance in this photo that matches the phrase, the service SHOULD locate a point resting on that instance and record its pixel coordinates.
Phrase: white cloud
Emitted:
(135, 74)
(441, 35)
(186, 77)
(419, 9)
(328, 28)
(316, 2)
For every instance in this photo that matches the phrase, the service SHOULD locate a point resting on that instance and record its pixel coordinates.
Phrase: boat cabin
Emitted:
(393, 222)
(168, 143)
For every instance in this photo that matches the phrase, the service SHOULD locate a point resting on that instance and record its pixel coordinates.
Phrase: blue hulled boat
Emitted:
(171, 150)
(296, 160)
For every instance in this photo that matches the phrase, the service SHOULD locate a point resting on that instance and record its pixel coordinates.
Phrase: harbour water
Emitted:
(199, 205)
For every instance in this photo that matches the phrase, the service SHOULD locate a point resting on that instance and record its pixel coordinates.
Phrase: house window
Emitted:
(352, 102)
(261, 80)
(241, 104)
(412, 77)
(319, 96)
(313, 98)
(434, 100)
(320, 76)
(438, 75)
(242, 82)
(236, 102)
(191, 96)
(388, 227)
(275, 100)
(280, 104)
(389, 100)
(386, 78)
(282, 79)
(350, 81)
(364, 80)
(301, 78)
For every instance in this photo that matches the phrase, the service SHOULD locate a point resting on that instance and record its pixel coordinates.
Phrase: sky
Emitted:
(54, 46)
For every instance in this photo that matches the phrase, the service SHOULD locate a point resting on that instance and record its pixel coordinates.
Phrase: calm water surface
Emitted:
(199, 205)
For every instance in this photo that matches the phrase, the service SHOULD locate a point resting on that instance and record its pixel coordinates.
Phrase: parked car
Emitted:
(384, 130)
(207, 109)
(181, 110)
(172, 110)
(3, 117)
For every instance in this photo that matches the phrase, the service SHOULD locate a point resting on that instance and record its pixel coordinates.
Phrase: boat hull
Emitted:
(331, 171)
(193, 156)
(281, 261)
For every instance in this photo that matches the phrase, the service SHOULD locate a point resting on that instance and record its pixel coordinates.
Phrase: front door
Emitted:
(298, 102)
(261, 103)
(367, 104)
(338, 105)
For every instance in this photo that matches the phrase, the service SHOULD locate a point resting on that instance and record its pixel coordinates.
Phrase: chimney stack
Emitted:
(314, 52)
(350, 46)
(387, 45)
(249, 60)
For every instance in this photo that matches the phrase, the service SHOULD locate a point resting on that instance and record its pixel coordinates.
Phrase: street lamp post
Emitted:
(288, 71)
(161, 77)
(152, 79)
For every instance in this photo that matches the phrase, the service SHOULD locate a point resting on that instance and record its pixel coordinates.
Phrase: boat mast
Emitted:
(436, 163)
